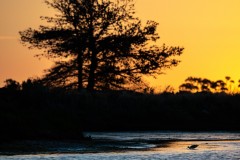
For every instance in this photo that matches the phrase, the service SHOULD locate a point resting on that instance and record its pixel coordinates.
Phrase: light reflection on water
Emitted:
(203, 146)
(214, 145)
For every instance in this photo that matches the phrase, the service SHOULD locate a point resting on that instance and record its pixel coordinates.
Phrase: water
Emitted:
(143, 145)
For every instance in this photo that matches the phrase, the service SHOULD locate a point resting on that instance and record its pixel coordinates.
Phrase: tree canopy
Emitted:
(99, 44)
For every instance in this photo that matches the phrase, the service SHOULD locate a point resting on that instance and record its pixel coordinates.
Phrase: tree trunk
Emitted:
(93, 66)
(80, 74)
(92, 48)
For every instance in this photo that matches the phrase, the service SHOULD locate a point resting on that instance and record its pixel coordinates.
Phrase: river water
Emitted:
(141, 145)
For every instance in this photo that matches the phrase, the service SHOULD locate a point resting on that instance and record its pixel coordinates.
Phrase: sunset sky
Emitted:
(209, 30)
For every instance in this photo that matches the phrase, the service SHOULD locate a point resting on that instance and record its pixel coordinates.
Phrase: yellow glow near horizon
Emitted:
(208, 30)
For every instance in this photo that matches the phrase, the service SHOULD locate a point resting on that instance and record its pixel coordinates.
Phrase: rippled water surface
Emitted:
(142, 145)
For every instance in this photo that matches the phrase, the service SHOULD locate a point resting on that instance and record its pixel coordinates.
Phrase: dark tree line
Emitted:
(31, 111)
(30, 85)
(99, 44)
(196, 84)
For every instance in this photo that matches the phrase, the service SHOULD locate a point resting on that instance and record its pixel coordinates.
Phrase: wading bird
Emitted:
(193, 146)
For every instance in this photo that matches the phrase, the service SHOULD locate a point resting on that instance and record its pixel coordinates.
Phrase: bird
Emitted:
(194, 146)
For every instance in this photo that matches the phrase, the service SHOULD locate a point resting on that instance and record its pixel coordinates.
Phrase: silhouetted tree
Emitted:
(194, 84)
(33, 86)
(12, 85)
(219, 86)
(230, 84)
(99, 45)
(188, 87)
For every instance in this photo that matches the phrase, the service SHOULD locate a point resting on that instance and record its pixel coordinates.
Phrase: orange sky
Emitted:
(208, 30)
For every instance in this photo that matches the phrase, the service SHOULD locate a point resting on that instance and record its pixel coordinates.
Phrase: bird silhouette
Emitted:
(194, 146)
